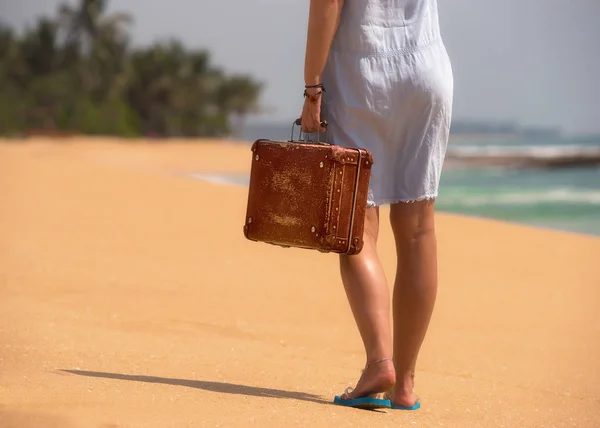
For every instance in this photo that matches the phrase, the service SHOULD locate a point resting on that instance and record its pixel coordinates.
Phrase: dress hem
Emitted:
(390, 201)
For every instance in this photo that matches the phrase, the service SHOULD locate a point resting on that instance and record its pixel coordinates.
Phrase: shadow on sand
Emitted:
(220, 387)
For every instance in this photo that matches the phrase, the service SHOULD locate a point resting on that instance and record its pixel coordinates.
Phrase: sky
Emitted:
(534, 62)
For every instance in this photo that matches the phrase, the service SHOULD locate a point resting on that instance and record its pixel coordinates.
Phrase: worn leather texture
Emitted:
(306, 195)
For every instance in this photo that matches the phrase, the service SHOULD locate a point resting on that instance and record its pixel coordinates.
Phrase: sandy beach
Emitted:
(130, 298)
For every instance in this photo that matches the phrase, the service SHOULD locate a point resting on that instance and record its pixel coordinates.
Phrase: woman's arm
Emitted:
(323, 18)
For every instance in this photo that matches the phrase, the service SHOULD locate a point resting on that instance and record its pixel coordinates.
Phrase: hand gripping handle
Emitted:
(298, 122)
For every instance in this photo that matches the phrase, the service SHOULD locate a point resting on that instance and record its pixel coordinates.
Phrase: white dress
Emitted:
(389, 88)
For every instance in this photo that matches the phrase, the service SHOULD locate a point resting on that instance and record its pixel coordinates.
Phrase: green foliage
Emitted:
(78, 73)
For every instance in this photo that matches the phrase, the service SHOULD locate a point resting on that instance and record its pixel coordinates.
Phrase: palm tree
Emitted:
(88, 23)
(152, 87)
(39, 48)
(12, 79)
(103, 40)
(173, 89)
(238, 96)
(7, 41)
(10, 63)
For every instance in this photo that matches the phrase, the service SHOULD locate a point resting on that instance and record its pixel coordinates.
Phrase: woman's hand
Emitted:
(311, 112)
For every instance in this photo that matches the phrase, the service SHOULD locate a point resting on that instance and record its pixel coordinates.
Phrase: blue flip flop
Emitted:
(393, 406)
(368, 403)
(399, 407)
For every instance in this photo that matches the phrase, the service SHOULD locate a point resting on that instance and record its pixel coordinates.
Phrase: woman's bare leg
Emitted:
(415, 290)
(367, 291)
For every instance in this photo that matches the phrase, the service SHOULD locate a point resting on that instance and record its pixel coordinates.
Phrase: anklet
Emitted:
(377, 362)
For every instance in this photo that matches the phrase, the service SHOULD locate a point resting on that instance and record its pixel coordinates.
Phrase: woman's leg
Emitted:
(415, 290)
(367, 291)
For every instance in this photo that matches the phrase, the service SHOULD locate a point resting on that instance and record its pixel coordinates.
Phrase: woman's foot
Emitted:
(403, 398)
(377, 377)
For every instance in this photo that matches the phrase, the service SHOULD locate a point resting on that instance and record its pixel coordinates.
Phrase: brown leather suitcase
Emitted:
(307, 194)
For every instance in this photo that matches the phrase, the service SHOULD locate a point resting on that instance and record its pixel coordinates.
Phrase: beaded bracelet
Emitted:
(313, 97)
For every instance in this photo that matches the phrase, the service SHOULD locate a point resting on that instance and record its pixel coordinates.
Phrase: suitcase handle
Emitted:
(298, 122)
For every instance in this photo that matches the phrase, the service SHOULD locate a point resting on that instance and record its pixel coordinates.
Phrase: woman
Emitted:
(379, 73)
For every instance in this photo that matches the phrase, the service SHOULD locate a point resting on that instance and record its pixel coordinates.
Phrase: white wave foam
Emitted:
(558, 195)
(223, 179)
(531, 152)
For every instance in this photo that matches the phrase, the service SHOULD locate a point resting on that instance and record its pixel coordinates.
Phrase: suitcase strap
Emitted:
(358, 167)
(347, 238)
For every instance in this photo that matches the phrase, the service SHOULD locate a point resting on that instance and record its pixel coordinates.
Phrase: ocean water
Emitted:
(563, 199)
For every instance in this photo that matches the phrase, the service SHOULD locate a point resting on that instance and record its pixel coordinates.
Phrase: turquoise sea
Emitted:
(566, 198)
(563, 199)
